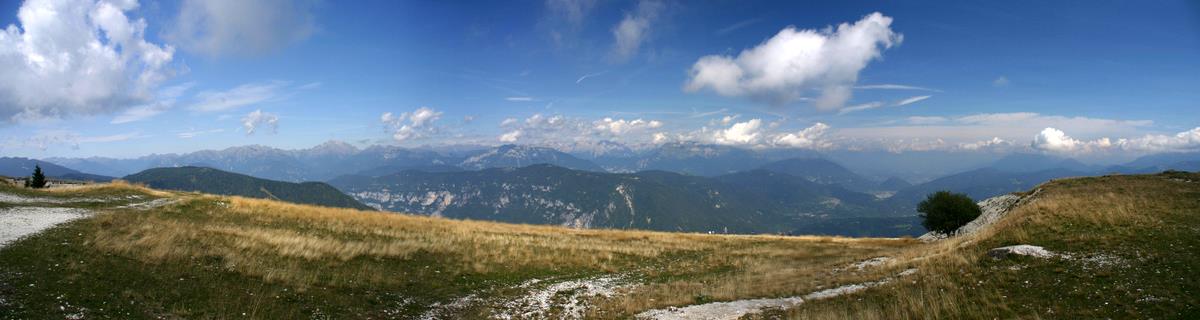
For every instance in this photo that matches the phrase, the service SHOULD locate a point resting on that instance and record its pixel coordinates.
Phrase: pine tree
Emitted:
(38, 180)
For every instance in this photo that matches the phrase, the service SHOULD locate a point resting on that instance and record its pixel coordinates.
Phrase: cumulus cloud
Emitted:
(1055, 140)
(781, 69)
(77, 57)
(257, 119)
(1011, 127)
(809, 138)
(622, 126)
(417, 124)
(741, 133)
(1182, 141)
(240, 96)
(634, 29)
(993, 143)
(511, 136)
(237, 27)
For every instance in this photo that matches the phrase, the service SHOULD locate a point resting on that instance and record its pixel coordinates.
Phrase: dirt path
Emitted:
(736, 309)
(18, 222)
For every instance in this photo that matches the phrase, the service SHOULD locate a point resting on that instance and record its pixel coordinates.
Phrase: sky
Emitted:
(1095, 80)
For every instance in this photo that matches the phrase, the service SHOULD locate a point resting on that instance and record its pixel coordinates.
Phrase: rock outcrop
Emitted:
(993, 209)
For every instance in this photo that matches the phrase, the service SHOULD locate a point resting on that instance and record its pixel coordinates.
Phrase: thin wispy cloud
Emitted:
(519, 99)
(240, 96)
(888, 86)
(590, 75)
(912, 100)
(736, 26)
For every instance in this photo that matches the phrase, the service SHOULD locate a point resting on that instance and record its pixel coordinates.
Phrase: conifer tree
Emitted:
(38, 180)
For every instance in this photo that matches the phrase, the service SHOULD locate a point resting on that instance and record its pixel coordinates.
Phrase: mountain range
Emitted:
(23, 167)
(674, 186)
(757, 201)
(213, 181)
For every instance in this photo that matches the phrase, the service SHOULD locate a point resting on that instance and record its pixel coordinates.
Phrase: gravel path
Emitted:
(21, 221)
(736, 309)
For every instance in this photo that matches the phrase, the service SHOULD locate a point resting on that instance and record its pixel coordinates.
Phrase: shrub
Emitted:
(944, 211)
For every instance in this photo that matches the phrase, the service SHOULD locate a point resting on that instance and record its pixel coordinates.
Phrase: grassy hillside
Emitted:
(1134, 246)
(1133, 241)
(213, 181)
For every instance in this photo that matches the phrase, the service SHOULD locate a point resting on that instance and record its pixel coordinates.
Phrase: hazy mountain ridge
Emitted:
(213, 181)
(750, 202)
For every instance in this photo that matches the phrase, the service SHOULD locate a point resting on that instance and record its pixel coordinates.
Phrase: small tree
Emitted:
(38, 180)
(944, 211)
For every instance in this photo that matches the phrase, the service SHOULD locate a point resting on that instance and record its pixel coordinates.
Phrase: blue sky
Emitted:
(1090, 79)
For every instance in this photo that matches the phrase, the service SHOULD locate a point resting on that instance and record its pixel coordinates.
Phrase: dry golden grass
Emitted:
(1133, 218)
(305, 245)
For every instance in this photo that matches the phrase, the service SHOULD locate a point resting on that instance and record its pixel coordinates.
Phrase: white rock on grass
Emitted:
(736, 309)
(991, 210)
(22, 221)
(1022, 250)
(567, 298)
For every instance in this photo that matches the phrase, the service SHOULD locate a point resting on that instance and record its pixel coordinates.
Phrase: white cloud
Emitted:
(411, 125)
(887, 86)
(238, 27)
(926, 120)
(810, 138)
(196, 133)
(1011, 127)
(519, 99)
(622, 126)
(995, 142)
(511, 136)
(164, 101)
(879, 104)
(77, 57)
(741, 133)
(259, 119)
(911, 100)
(634, 29)
(508, 122)
(1054, 140)
(861, 107)
(781, 69)
(46, 139)
(1002, 81)
(1182, 141)
(240, 96)
(566, 17)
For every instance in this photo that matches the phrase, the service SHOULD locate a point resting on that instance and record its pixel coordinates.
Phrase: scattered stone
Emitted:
(740, 308)
(21, 221)
(1021, 250)
(872, 262)
(567, 298)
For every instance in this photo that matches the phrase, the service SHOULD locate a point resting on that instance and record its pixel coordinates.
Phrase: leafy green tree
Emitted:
(38, 180)
(945, 211)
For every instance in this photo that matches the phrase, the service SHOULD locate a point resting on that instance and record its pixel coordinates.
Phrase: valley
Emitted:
(283, 258)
